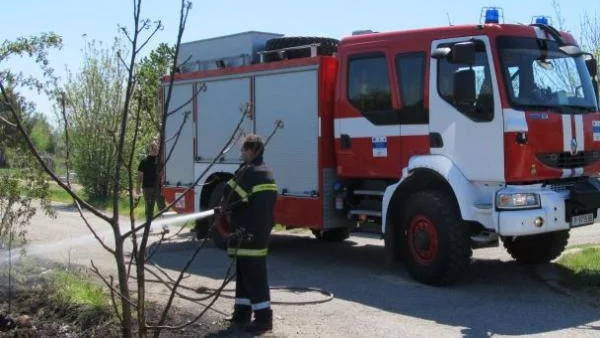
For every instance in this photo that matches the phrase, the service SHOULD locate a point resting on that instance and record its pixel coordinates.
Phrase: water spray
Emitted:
(184, 218)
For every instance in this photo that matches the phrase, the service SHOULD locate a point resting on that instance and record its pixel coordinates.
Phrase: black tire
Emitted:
(328, 47)
(392, 245)
(336, 234)
(332, 235)
(201, 228)
(537, 249)
(435, 240)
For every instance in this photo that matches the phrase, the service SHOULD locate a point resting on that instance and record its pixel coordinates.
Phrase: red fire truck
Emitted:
(440, 139)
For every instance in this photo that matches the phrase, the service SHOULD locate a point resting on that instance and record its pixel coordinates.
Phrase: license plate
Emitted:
(582, 220)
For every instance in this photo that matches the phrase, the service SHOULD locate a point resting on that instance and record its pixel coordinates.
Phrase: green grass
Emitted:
(58, 194)
(80, 300)
(7, 171)
(106, 204)
(582, 269)
(74, 289)
(582, 246)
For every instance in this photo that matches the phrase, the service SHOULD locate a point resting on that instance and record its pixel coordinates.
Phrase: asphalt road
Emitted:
(496, 298)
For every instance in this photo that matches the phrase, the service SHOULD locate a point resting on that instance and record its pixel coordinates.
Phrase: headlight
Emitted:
(518, 201)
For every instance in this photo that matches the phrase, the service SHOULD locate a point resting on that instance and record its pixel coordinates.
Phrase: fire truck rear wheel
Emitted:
(201, 229)
(328, 47)
(332, 235)
(435, 241)
(537, 249)
(203, 225)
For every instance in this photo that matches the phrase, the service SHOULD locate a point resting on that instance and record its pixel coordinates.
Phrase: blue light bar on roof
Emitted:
(544, 20)
(491, 14)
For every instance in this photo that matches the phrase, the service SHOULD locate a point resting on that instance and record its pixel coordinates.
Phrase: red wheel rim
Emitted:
(422, 239)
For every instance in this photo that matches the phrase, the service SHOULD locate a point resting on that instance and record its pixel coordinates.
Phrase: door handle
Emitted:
(436, 140)
(346, 141)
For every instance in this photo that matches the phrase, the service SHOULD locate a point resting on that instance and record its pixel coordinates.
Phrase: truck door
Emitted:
(367, 128)
(471, 135)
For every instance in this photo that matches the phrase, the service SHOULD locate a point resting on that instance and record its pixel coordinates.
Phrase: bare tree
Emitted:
(142, 32)
(126, 134)
(590, 33)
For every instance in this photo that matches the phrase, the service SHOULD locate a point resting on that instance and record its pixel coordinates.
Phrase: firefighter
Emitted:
(250, 196)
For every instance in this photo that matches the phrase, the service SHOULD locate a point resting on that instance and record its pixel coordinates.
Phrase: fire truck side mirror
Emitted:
(464, 88)
(463, 53)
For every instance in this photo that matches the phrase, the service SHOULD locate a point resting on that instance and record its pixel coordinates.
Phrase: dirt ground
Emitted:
(34, 313)
(371, 299)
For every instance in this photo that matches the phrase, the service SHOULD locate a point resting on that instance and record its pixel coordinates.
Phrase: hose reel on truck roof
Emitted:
(298, 47)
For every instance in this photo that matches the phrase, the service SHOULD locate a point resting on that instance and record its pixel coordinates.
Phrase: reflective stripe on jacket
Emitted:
(250, 196)
(247, 252)
(243, 195)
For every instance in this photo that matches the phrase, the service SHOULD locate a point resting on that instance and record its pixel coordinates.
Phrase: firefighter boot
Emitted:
(263, 321)
(241, 315)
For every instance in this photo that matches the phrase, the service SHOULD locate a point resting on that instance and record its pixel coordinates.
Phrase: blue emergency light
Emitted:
(491, 14)
(541, 19)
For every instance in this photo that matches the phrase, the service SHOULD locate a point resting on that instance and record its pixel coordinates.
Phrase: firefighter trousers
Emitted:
(252, 286)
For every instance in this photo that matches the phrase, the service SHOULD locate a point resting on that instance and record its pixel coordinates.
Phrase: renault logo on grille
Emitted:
(573, 146)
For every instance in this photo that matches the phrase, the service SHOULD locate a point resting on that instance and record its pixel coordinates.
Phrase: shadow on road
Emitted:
(494, 298)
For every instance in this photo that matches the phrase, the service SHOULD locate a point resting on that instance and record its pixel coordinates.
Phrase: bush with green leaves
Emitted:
(20, 187)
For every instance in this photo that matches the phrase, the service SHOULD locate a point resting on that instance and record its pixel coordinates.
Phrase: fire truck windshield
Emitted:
(538, 75)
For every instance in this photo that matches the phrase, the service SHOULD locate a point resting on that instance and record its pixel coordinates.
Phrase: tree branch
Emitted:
(43, 164)
(217, 294)
(171, 282)
(8, 122)
(114, 301)
(172, 295)
(97, 272)
(158, 27)
(202, 88)
(142, 226)
(177, 134)
(106, 247)
(124, 30)
(131, 203)
(67, 141)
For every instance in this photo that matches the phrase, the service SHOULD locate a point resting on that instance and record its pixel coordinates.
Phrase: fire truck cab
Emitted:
(441, 139)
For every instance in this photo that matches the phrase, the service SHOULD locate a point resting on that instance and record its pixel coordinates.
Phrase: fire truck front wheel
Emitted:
(437, 248)
(537, 249)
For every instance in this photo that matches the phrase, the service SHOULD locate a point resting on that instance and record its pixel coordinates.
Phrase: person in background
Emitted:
(147, 175)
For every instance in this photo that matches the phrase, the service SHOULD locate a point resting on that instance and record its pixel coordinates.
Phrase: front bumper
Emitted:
(559, 208)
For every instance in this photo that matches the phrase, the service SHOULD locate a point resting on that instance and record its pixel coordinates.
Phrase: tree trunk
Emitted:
(126, 325)
(141, 281)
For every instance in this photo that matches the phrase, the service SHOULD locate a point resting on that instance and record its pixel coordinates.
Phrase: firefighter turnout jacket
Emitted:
(250, 196)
